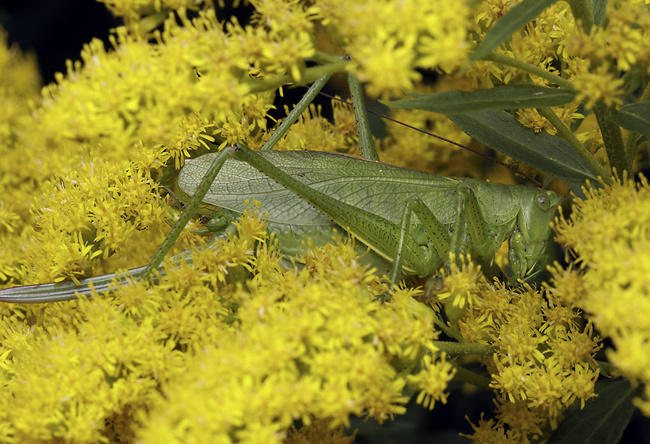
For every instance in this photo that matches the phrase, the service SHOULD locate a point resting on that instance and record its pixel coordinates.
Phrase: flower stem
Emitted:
(462, 374)
(534, 70)
(309, 76)
(612, 138)
(582, 12)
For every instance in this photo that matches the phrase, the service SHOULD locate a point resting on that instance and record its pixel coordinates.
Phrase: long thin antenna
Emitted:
(383, 116)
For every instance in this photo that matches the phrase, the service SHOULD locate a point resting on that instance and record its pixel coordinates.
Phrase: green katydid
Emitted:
(310, 194)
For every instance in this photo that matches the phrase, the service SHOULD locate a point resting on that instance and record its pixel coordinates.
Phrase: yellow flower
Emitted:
(598, 86)
(432, 381)
(460, 284)
(412, 35)
(608, 233)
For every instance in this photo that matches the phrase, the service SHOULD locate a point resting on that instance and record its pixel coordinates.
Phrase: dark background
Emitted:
(56, 30)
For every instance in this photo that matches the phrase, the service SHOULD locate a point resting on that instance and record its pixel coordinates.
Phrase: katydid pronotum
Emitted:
(407, 219)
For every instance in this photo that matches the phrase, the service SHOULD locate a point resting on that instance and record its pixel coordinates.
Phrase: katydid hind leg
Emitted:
(472, 235)
(378, 233)
(297, 111)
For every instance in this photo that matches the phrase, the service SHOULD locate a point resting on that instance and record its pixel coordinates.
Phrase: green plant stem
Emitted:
(462, 374)
(612, 138)
(325, 58)
(534, 70)
(309, 76)
(449, 331)
(463, 349)
(565, 132)
(619, 158)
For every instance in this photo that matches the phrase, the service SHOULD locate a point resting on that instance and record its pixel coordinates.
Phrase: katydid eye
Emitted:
(543, 202)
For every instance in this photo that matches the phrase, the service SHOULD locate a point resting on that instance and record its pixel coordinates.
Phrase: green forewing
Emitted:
(379, 188)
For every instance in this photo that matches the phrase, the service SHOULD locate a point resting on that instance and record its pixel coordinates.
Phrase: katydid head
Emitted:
(532, 232)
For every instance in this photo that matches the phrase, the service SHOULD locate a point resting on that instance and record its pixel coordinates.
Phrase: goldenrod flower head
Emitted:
(608, 233)
(460, 283)
(432, 381)
(312, 347)
(540, 351)
(317, 431)
(413, 34)
(192, 134)
(598, 86)
(315, 132)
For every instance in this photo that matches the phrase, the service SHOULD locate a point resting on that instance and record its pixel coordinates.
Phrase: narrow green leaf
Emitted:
(549, 154)
(499, 97)
(599, 10)
(509, 24)
(634, 117)
(603, 419)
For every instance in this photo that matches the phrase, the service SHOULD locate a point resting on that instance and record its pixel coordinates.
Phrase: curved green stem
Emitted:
(309, 76)
(633, 137)
(534, 70)
(449, 331)
(462, 374)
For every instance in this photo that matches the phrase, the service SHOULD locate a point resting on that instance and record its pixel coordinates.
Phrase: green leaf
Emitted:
(549, 154)
(509, 24)
(599, 10)
(634, 117)
(499, 97)
(603, 419)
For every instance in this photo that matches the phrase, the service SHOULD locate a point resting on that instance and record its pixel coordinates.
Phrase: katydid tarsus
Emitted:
(407, 220)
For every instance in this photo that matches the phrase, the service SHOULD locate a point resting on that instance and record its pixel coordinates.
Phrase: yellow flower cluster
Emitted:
(107, 130)
(413, 34)
(19, 90)
(19, 85)
(542, 358)
(230, 346)
(132, 10)
(233, 356)
(608, 232)
(558, 45)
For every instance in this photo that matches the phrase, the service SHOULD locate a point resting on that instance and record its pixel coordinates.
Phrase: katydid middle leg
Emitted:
(468, 234)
